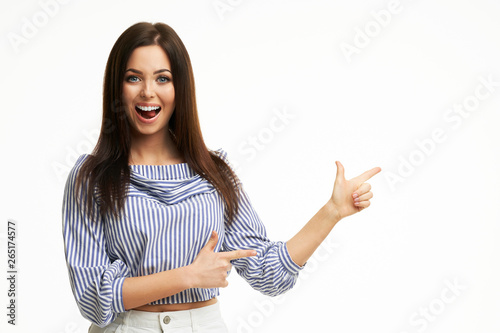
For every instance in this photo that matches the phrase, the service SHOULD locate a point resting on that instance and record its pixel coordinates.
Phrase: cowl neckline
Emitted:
(169, 184)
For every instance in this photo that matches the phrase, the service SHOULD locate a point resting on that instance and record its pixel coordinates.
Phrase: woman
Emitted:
(153, 220)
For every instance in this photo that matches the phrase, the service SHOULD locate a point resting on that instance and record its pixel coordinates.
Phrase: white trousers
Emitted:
(207, 319)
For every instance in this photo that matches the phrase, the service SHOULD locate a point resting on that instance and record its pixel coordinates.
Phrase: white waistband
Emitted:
(183, 318)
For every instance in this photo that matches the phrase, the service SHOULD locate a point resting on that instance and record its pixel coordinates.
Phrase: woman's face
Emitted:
(148, 91)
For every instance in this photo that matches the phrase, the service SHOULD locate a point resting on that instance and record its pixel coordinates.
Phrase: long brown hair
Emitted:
(107, 169)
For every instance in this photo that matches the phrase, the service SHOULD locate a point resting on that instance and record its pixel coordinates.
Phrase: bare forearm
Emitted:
(306, 241)
(208, 270)
(348, 197)
(142, 290)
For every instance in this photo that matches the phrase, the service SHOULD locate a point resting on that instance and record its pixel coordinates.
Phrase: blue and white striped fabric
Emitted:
(170, 212)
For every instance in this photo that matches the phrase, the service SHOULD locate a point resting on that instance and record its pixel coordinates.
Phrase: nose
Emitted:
(147, 92)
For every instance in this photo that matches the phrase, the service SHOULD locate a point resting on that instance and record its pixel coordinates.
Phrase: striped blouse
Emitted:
(169, 214)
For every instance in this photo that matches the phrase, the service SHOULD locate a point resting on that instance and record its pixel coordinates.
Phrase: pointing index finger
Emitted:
(368, 174)
(237, 254)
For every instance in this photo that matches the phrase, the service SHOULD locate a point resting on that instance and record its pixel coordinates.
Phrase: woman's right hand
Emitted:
(210, 269)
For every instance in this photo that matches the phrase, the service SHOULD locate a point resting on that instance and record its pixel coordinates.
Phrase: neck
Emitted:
(155, 149)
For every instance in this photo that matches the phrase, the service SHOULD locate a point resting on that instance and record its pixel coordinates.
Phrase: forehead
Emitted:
(148, 58)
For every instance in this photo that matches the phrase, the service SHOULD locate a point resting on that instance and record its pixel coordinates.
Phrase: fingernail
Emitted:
(356, 199)
(355, 195)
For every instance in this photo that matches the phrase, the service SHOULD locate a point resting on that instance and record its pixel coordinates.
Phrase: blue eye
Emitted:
(163, 79)
(132, 78)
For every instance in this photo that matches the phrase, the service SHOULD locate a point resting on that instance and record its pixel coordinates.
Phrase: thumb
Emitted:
(212, 241)
(340, 171)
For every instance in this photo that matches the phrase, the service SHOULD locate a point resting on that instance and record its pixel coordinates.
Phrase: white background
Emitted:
(380, 270)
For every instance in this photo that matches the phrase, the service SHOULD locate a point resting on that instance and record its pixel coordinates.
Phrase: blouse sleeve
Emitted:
(272, 271)
(96, 282)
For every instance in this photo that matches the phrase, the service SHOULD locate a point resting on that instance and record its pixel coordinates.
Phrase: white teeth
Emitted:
(148, 108)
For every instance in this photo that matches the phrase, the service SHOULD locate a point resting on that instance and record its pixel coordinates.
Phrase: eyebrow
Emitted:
(156, 72)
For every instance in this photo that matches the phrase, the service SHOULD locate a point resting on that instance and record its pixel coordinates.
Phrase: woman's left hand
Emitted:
(351, 196)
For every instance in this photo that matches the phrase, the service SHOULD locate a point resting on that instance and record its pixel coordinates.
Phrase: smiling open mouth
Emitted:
(147, 112)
